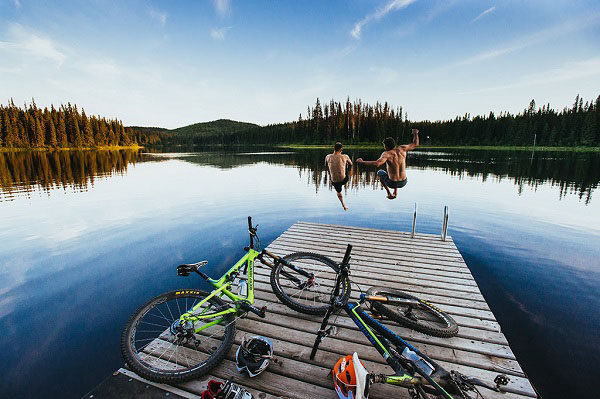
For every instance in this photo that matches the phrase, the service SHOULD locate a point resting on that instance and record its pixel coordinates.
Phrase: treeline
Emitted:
(358, 122)
(578, 125)
(66, 127)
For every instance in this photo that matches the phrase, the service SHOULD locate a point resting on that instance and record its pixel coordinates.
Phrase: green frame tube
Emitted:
(222, 286)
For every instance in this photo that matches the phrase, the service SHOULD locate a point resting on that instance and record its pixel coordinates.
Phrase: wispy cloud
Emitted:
(384, 75)
(378, 15)
(223, 7)
(17, 3)
(533, 39)
(219, 34)
(22, 40)
(489, 10)
(568, 71)
(158, 15)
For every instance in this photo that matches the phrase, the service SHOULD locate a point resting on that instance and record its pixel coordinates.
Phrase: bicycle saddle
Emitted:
(186, 269)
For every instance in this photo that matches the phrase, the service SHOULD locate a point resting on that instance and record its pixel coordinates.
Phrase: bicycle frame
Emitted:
(223, 284)
(222, 287)
(381, 337)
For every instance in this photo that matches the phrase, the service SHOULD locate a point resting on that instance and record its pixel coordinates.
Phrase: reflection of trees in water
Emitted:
(24, 171)
(572, 172)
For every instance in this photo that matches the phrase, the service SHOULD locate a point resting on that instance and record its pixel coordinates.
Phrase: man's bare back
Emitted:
(394, 157)
(336, 163)
(395, 162)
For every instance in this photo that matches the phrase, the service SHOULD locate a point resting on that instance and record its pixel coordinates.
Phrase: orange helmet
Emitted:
(350, 378)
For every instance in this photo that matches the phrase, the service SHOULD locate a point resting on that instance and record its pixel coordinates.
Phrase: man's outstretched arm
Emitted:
(382, 159)
(415, 141)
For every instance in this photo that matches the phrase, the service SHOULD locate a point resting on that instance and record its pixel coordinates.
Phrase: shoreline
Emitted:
(46, 149)
(431, 147)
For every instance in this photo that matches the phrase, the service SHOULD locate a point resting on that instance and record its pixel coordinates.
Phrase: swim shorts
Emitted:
(385, 180)
(338, 186)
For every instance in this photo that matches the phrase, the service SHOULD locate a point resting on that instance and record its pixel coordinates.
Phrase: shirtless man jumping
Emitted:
(395, 160)
(337, 164)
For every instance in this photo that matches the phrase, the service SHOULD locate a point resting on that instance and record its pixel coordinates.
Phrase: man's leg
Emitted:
(341, 198)
(383, 177)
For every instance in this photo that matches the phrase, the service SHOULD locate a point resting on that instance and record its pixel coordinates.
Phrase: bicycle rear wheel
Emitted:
(412, 312)
(158, 347)
(304, 294)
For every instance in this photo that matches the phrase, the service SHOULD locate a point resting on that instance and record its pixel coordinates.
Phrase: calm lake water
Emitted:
(87, 237)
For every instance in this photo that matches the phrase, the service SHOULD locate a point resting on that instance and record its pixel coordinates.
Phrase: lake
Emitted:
(89, 236)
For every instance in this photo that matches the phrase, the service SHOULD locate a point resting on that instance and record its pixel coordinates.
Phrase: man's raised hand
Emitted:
(415, 131)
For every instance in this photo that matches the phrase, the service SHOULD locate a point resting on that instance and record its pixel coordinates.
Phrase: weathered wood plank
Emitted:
(391, 266)
(414, 245)
(379, 251)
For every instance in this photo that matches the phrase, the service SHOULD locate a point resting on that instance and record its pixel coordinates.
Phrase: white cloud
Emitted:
(223, 7)
(100, 68)
(160, 16)
(568, 71)
(27, 42)
(489, 10)
(379, 14)
(535, 38)
(219, 34)
(17, 3)
(384, 75)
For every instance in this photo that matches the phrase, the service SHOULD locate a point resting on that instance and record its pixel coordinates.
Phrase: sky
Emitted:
(173, 63)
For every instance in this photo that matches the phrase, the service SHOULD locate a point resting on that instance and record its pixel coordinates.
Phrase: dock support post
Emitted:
(414, 222)
(445, 223)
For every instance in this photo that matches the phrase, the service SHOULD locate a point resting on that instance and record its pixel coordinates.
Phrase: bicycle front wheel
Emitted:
(412, 312)
(157, 346)
(309, 290)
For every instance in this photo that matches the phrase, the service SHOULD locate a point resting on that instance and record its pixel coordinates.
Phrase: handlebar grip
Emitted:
(249, 222)
(347, 255)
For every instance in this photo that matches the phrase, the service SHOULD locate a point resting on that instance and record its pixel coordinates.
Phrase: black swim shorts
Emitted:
(338, 186)
(385, 180)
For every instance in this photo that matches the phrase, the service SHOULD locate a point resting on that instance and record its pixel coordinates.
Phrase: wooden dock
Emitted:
(426, 266)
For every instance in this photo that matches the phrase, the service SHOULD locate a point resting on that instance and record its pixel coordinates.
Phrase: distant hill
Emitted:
(198, 133)
(214, 128)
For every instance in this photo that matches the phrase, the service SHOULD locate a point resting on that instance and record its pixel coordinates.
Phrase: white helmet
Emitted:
(253, 355)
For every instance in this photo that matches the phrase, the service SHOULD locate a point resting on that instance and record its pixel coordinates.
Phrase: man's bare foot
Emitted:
(391, 197)
(345, 208)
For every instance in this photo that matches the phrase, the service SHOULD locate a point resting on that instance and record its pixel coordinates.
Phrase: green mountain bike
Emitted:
(180, 335)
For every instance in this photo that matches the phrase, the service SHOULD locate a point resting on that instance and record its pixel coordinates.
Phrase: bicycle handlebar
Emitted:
(251, 231)
(347, 255)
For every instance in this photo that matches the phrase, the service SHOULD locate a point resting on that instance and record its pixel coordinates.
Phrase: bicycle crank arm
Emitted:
(260, 312)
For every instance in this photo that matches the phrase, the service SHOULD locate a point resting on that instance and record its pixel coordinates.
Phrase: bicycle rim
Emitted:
(159, 347)
(418, 315)
(304, 294)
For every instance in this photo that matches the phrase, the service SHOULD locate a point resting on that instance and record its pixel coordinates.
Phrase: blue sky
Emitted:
(172, 63)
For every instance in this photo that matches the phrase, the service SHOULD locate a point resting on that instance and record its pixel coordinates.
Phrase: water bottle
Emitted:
(243, 288)
(417, 360)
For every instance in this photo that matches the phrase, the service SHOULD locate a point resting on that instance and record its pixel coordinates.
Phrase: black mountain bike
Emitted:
(414, 370)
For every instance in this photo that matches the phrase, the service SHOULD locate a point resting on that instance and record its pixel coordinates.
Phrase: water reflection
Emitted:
(571, 172)
(24, 171)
